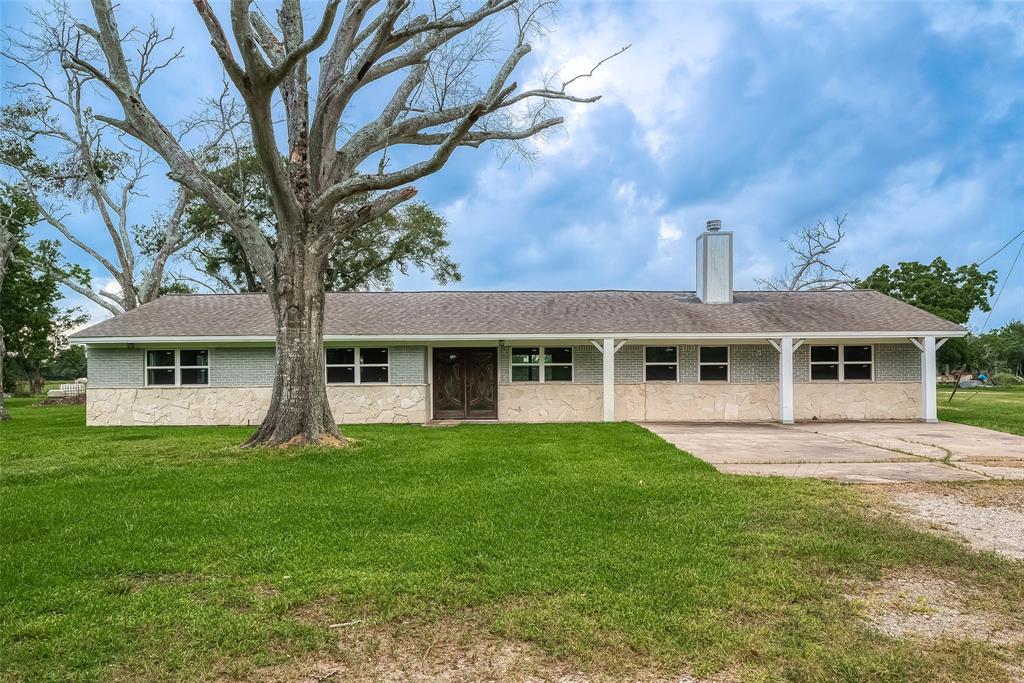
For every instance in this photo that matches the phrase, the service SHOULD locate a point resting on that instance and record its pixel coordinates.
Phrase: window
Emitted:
(714, 364)
(661, 363)
(857, 363)
(842, 363)
(184, 367)
(542, 364)
(357, 366)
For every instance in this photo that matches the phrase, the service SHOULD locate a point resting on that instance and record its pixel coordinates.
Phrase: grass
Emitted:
(170, 554)
(999, 408)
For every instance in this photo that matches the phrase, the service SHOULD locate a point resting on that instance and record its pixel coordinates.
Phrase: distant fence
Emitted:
(73, 389)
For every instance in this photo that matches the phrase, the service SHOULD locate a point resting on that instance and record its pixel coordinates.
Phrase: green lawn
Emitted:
(1000, 408)
(169, 554)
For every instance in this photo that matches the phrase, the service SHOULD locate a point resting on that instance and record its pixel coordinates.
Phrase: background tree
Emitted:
(67, 364)
(409, 236)
(950, 293)
(34, 323)
(451, 88)
(16, 214)
(64, 156)
(1002, 349)
(811, 268)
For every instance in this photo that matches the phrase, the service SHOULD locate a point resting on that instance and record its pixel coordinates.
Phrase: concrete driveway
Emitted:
(866, 452)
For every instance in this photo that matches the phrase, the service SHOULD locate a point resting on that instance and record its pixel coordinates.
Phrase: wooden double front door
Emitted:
(465, 384)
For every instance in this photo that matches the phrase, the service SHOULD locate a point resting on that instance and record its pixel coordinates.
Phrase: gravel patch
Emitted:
(990, 518)
(917, 605)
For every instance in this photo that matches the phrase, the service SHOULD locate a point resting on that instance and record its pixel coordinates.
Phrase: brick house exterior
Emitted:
(712, 354)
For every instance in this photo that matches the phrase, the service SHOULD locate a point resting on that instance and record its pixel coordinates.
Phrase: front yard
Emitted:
(168, 554)
(999, 408)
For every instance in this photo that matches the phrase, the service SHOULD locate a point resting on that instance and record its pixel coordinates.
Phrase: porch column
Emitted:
(929, 402)
(786, 380)
(608, 378)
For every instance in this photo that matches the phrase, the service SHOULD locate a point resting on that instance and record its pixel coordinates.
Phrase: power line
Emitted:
(1003, 247)
(1005, 280)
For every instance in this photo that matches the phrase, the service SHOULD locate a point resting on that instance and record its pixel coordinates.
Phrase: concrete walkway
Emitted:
(865, 452)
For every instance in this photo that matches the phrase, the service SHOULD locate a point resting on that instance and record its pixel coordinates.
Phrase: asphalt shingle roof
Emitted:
(540, 313)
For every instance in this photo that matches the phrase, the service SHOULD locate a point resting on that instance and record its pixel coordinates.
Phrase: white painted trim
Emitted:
(841, 376)
(357, 365)
(675, 363)
(786, 402)
(577, 337)
(608, 379)
(178, 367)
(540, 365)
(728, 364)
(929, 400)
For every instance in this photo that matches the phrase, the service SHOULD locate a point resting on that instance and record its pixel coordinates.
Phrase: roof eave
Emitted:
(830, 334)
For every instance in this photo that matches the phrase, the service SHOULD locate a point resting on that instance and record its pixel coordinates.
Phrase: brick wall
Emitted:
(122, 368)
(234, 366)
(749, 364)
(408, 364)
(893, 363)
(753, 364)
(897, 363)
(242, 367)
(629, 365)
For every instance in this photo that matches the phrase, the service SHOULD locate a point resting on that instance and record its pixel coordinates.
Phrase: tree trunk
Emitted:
(299, 413)
(4, 415)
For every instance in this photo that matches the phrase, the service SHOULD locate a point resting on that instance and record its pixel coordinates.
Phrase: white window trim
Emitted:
(540, 365)
(675, 363)
(842, 364)
(177, 367)
(357, 366)
(727, 364)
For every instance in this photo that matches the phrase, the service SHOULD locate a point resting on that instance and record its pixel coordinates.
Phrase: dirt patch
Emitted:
(78, 400)
(987, 516)
(449, 650)
(922, 605)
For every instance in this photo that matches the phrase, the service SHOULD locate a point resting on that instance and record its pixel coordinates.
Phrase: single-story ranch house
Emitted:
(712, 354)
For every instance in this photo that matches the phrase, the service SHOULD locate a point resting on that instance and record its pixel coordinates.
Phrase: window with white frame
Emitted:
(661, 363)
(713, 364)
(842, 363)
(541, 364)
(177, 367)
(349, 365)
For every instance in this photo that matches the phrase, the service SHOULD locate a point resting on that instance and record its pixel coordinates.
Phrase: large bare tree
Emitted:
(337, 172)
(62, 155)
(811, 268)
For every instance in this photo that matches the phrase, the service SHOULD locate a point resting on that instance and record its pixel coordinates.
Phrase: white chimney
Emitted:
(714, 264)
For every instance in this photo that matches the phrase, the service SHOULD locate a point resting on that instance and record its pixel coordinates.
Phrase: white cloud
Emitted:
(668, 231)
(960, 21)
(671, 50)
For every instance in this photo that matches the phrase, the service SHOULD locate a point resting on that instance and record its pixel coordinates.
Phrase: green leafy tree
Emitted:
(409, 236)
(34, 324)
(936, 287)
(1003, 349)
(950, 293)
(68, 364)
(17, 213)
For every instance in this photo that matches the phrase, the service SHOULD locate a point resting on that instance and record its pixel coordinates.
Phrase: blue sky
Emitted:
(909, 118)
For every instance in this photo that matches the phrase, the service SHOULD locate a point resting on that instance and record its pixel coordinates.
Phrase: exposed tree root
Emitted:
(298, 441)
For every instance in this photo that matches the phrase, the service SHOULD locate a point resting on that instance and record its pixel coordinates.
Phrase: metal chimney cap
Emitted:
(714, 225)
